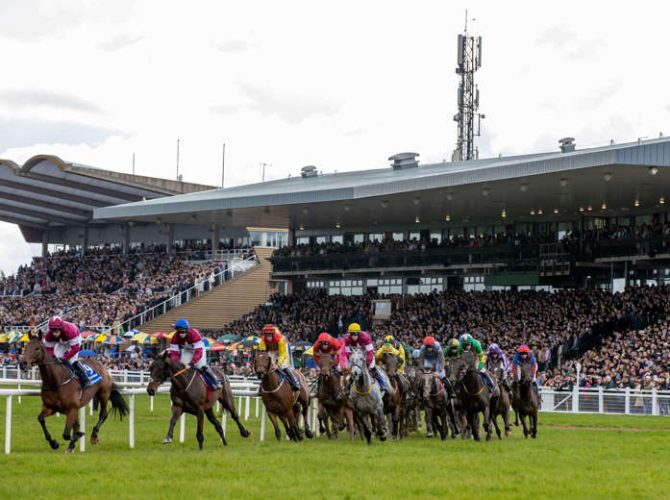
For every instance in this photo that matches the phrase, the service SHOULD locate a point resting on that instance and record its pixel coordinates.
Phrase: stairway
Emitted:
(223, 304)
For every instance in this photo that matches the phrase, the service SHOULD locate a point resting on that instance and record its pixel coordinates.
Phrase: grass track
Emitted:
(596, 457)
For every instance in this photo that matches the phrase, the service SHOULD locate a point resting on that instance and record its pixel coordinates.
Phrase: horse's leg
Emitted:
(381, 420)
(429, 420)
(47, 412)
(273, 420)
(305, 410)
(473, 417)
(176, 413)
(367, 431)
(228, 404)
(505, 415)
(322, 415)
(443, 423)
(72, 424)
(102, 416)
(533, 429)
(288, 427)
(523, 423)
(349, 415)
(199, 434)
(494, 418)
(487, 421)
(215, 422)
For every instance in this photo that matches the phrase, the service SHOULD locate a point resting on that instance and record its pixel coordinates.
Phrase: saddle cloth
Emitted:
(92, 375)
(283, 376)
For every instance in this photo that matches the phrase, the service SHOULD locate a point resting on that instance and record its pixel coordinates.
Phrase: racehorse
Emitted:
(394, 400)
(333, 404)
(366, 398)
(527, 400)
(189, 393)
(455, 370)
(433, 395)
(412, 403)
(476, 397)
(61, 392)
(280, 400)
(504, 403)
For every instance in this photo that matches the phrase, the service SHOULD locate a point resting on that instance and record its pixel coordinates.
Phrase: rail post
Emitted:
(224, 421)
(131, 421)
(601, 400)
(19, 397)
(627, 401)
(246, 408)
(654, 402)
(575, 399)
(82, 428)
(182, 427)
(258, 400)
(8, 424)
(262, 435)
(90, 408)
(151, 404)
(315, 410)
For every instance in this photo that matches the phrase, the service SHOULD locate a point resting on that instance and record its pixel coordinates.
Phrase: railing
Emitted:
(604, 248)
(611, 401)
(185, 296)
(417, 258)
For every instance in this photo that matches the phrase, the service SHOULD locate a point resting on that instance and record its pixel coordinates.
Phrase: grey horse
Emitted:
(366, 398)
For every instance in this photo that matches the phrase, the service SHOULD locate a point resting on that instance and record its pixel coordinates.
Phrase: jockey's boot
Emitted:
(81, 374)
(291, 379)
(378, 376)
(216, 383)
(488, 380)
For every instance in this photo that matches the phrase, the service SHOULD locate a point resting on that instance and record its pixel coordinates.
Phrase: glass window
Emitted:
(372, 282)
(415, 236)
(337, 238)
(359, 238)
(375, 237)
(303, 240)
(320, 240)
(436, 237)
(396, 289)
(255, 237)
(398, 236)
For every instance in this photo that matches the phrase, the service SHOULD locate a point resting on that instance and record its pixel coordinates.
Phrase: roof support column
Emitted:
(84, 245)
(170, 239)
(45, 242)
(216, 237)
(126, 238)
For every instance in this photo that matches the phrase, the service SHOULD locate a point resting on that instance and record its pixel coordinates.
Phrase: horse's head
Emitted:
(526, 373)
(34, 352)
(159, 370)
(470, 360)
(426, 382)
(456, 369)
(262, 363)
(390, 362)
(326, 364)
(357, 362)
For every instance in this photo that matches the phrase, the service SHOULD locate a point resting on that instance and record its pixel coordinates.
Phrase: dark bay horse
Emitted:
(333, 401)
(476, 397)
(527, 400)
(62, 393)
(393, 400)
(504, 403)
(189, 393)
(280, 400)
(433, 396)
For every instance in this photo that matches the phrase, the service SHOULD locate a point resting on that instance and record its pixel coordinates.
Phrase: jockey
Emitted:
(63, 342)
(357, 338)
(276, 345)
(523, 356)
(496, 358)
(452, 349)
(431, 357)
(326, 344)
(394, 347)
(187, 346)
(468, 343)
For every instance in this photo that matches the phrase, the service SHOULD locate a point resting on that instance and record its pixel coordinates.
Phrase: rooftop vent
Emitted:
(309, 171)
(404, 160)
(567, 144)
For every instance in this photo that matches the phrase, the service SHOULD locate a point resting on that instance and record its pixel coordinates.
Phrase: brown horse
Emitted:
(433, 395)
(476, 397)
(504, 402)
(280, 400)
(333, 401)
(189, 393)
(393, 401)
(527, 400)
(62, 393)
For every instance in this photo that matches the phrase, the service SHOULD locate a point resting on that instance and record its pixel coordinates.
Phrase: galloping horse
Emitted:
(476, 397)
(527, 400)
(189, 393)
(394, 400)
(280, 400)
(433, 395)
(62, 392)
(503, 406)
(366, 398)
(333, 404)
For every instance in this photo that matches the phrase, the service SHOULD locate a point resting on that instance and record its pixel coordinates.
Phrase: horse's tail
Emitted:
(118, 402)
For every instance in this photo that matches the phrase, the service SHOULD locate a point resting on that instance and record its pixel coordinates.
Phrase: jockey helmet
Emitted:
(466, 339)
(453, 344)
(354, 328)
(269, 330)
(181, 323)
(523, 348)
(56, 323)
(429, 341)
(416, 353)
(389, 339)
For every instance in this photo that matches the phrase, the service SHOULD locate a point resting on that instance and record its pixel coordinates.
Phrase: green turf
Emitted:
(576, 456)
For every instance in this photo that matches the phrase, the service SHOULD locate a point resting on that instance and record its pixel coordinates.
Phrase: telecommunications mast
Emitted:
(469, 60)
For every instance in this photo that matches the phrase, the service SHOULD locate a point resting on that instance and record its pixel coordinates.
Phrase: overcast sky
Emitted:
(340, 85)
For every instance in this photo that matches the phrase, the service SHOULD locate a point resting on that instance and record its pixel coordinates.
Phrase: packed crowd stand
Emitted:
(102, 287)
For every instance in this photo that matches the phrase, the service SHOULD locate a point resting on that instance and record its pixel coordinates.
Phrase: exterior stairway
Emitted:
(223, 304)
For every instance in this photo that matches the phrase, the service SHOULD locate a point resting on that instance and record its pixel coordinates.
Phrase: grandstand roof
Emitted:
(614, 175)
(50, 192)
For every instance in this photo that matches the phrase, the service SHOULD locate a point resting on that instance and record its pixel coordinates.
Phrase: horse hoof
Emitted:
(167, 440)
(382, 438)
(488, 437)
(245, 433)
(69, 451)
(225, 443)
(309, 434)
(54, 444)
(429, 434)
(66, 437)
(95, 440)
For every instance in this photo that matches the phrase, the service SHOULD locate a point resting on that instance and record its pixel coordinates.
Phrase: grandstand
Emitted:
(579, 223)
